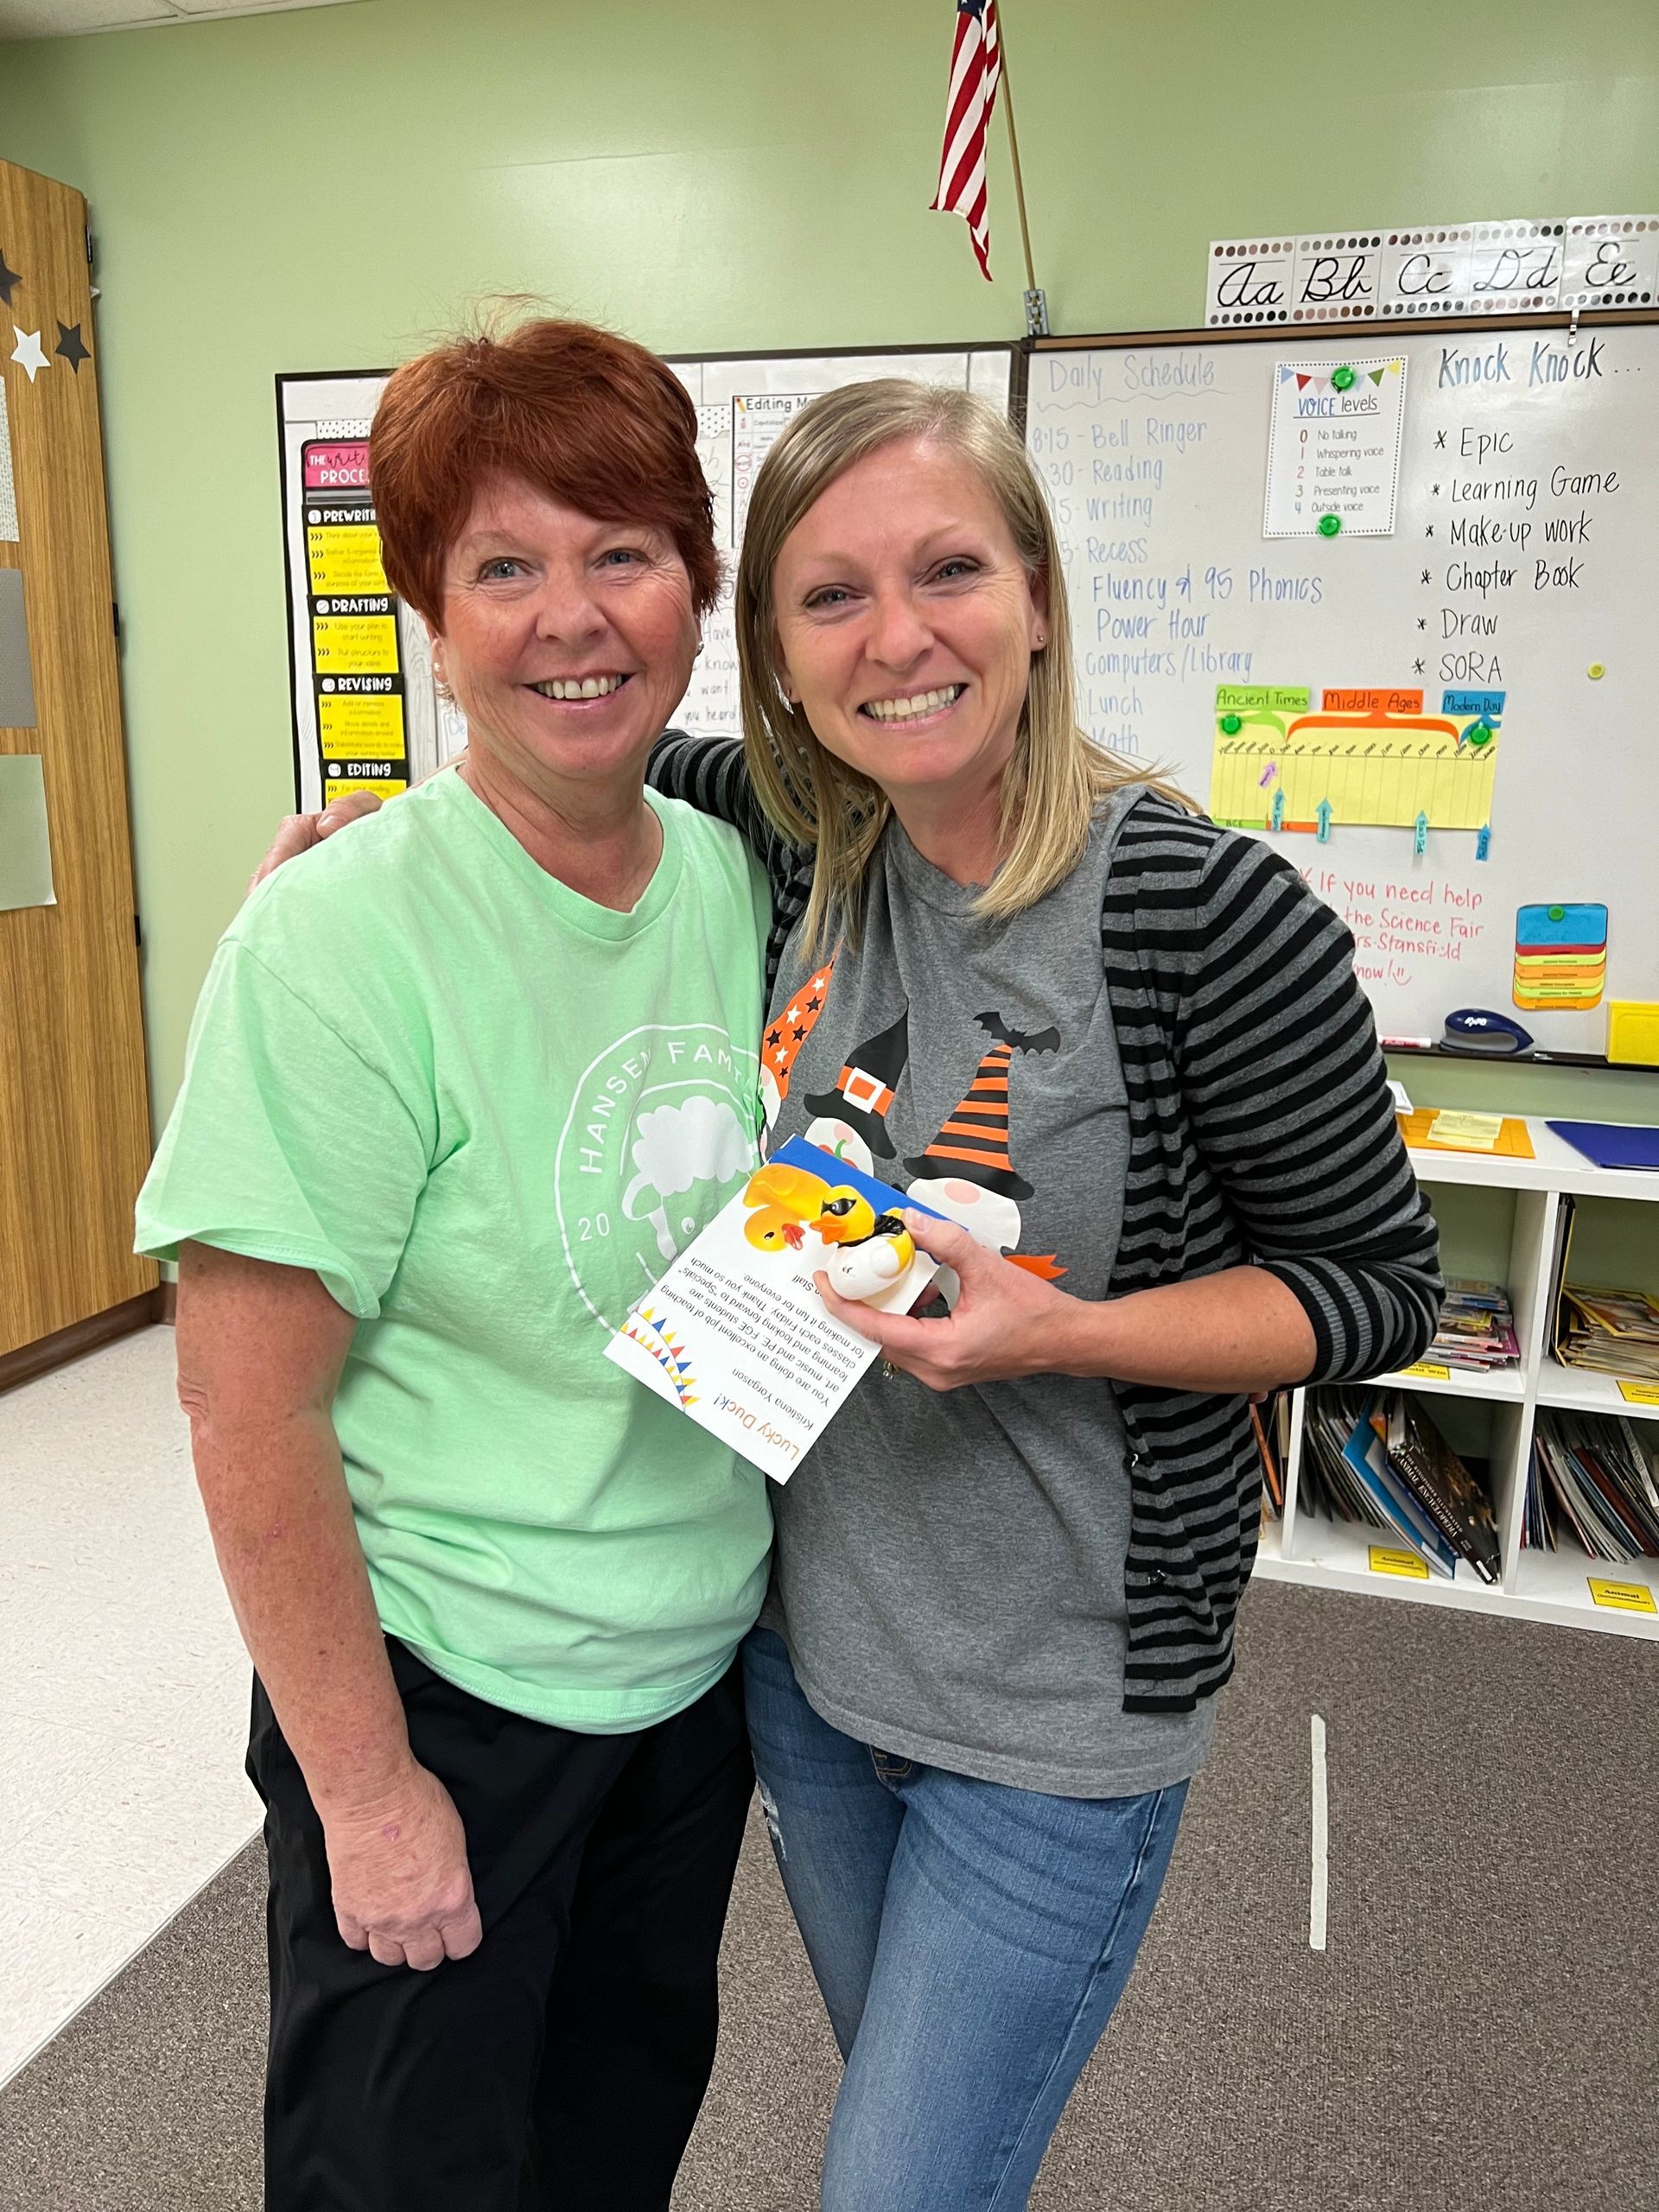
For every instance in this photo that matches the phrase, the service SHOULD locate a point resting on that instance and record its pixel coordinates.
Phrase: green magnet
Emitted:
(1329, 525)
(1342, 377)
(1480, 736)
(1558, 913)
(1232, 724)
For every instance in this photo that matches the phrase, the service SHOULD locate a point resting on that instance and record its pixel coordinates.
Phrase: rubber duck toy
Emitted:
(869, 1252)
(786, 1200)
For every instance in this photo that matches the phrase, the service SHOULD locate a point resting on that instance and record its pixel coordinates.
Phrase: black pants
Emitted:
(560, 2068)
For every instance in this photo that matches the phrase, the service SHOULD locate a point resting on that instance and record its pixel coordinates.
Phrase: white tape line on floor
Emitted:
(1318, 1830)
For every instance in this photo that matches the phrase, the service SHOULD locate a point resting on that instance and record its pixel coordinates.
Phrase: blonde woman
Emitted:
(1123, 1051)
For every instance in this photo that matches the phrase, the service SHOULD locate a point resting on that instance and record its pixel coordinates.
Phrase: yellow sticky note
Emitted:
(1468, 1132)
(1428, 1370)
(1633, 1032)
(1384, 1561)
(1639, 1394)
(1623, 1597)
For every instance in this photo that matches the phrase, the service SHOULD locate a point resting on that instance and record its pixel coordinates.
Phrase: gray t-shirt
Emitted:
(949, 1571)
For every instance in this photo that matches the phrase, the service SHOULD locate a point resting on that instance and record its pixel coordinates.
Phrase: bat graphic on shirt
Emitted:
(1037, 1040)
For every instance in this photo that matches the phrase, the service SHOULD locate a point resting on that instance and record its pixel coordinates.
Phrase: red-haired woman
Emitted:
(455, 1090)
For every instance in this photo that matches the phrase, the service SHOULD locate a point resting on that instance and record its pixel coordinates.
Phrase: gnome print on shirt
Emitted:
(967, 1174)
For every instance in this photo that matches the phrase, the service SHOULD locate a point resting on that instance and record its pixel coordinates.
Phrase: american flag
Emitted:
(975, 72)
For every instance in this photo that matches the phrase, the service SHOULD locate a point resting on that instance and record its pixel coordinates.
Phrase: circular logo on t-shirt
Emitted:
(661, 1131)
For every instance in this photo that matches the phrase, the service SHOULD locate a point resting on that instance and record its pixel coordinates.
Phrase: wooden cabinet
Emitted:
(74, 1117)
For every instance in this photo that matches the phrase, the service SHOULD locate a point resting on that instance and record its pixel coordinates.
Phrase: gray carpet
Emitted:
(1482, 2031)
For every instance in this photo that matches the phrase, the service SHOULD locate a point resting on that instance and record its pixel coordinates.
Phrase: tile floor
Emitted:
(123, 1685)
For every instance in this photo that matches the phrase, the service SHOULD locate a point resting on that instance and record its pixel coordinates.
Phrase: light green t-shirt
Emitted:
(489, 1112)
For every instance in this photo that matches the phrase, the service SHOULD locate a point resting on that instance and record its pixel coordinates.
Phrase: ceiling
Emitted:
(61, 18)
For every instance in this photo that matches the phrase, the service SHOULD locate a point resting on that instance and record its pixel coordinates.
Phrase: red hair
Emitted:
(591, 419)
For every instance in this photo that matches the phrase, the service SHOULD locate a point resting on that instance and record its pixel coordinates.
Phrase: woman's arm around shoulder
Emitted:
(711, 774)
(1286, 1093)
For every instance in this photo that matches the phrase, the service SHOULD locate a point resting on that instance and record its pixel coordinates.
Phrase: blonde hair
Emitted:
(1057, 776)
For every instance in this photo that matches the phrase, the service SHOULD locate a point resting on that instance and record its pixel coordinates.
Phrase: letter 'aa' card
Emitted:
(735, 1333)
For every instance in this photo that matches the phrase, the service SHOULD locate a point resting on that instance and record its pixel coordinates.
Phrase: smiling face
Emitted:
(906, 624)
(568, 642)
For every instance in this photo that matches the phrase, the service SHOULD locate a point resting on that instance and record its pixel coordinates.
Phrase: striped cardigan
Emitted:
(1260, 1130)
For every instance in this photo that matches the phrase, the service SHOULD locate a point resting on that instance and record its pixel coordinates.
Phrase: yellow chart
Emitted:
(1274, 768)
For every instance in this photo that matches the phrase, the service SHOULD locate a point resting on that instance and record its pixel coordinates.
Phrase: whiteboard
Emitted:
(1469, 681)
(367, 712)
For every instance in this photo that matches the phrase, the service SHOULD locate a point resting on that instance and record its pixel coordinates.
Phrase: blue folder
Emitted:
(1610, 1144)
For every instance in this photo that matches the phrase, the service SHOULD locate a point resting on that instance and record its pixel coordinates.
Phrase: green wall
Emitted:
(323, 189)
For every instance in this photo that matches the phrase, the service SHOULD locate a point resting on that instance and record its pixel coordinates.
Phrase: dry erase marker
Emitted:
(1407, 1044)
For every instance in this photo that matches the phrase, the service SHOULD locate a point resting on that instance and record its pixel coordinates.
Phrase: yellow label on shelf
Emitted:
(1639, 1393)
(1384, 1561)
(345, 558)
(353, 723)
(1429, 1371)
(1623, 1597)
(355, 645)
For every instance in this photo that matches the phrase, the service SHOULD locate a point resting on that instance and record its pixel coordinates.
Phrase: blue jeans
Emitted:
(970, 1941)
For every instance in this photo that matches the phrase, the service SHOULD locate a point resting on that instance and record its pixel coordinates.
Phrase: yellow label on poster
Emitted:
(352, 724)
(335, 787)
(1427, 1370)
(1384, 1561)
(1623, 1597)
(1639, 1393)
(345, 557)
(355, 645)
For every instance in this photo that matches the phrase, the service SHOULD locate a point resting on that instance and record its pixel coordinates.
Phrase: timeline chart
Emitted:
(357, 669)
(1357, 756)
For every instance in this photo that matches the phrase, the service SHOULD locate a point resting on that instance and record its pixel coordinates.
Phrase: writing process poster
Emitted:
(367, 712)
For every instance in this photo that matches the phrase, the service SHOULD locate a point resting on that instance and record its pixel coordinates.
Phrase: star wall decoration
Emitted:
(70, 347)
(27, 352)
(8, 278)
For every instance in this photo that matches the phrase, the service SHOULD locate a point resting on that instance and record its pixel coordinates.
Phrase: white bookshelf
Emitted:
(1537, 1586)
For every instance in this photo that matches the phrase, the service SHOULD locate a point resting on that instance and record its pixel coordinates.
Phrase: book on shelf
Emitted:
(1476, 1328)
(1375, 1458)
(1442, 1486)
(1603, 1332)
(1594, 1474)
(1271, 1423)
(1367, 1452)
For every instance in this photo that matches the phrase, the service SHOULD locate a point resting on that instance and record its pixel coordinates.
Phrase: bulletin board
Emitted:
(367, 713)
(1387, 598)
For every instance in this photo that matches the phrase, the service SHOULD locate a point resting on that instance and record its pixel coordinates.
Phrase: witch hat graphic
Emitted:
(973, 1142)
(785, 1036)
(864, 1088)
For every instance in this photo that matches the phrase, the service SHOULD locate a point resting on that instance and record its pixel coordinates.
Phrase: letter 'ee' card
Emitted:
(735, 1334)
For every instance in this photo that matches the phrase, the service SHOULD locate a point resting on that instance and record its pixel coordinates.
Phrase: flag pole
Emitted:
(1036, 305)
